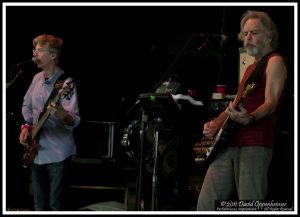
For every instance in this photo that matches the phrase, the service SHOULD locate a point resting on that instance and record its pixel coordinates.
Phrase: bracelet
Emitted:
(26, 126)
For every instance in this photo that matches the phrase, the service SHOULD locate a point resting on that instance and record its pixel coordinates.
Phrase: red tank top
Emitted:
(260, 133)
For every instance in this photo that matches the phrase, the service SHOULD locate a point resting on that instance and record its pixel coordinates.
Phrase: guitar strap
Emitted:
(57, 86)
(259, 70)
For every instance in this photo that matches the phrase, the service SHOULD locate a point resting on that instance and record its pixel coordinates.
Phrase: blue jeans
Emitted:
(48, 183)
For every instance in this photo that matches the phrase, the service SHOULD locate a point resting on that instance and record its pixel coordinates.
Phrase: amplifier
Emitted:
(95, 139)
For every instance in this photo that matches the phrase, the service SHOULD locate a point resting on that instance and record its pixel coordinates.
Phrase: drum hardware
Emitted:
(125, 142)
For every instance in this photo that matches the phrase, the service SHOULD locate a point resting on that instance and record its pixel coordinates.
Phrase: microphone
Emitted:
(221, 38)
(33, 60)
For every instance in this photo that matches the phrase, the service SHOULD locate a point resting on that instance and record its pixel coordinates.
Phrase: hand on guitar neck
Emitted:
(58, 111)
(240, 115)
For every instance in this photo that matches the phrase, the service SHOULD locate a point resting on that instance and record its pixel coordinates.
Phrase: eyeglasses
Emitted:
(40, 50)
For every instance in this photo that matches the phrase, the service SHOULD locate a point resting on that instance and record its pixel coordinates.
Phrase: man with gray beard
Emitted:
(241, 165)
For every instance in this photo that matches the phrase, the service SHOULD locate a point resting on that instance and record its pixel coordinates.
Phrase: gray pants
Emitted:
(244, 170)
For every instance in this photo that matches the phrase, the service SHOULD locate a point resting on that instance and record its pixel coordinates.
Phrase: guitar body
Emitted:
(31, 148)
(207, 149)
(29, 153)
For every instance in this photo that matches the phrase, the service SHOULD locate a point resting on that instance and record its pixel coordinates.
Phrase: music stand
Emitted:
(160, 108)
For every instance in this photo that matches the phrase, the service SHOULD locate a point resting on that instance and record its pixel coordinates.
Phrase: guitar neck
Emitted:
(43, 119)
(39, 125)
(239, 103)
(248, 89)
(57, 97)
(228, 121)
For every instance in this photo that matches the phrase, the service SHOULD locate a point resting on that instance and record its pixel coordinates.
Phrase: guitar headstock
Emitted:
(68, 90)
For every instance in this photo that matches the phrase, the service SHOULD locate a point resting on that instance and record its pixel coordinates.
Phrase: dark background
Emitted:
(116, 53)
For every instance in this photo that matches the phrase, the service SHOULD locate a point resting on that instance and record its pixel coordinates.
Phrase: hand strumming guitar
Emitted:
(210, 129)
(25, 130)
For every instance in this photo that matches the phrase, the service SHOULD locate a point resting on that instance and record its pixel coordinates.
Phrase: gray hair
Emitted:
(267, 22)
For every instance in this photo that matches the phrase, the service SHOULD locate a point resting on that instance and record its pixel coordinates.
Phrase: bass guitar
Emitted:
(32, 146)
(206, 149)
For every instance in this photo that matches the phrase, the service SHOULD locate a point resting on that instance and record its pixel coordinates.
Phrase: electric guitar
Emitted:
(207, 149)
(31, 148)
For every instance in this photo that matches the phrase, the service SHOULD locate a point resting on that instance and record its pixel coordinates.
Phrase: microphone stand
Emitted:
(168, 71)
(154, 175)
(18, 66)
(15, 78)
(143, 121)
(133, 106)
(9, 114)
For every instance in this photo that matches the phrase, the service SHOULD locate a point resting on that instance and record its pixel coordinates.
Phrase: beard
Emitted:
(256, 49)
(252, 51)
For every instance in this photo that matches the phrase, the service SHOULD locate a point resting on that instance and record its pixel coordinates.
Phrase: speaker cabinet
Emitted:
(95, 139)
